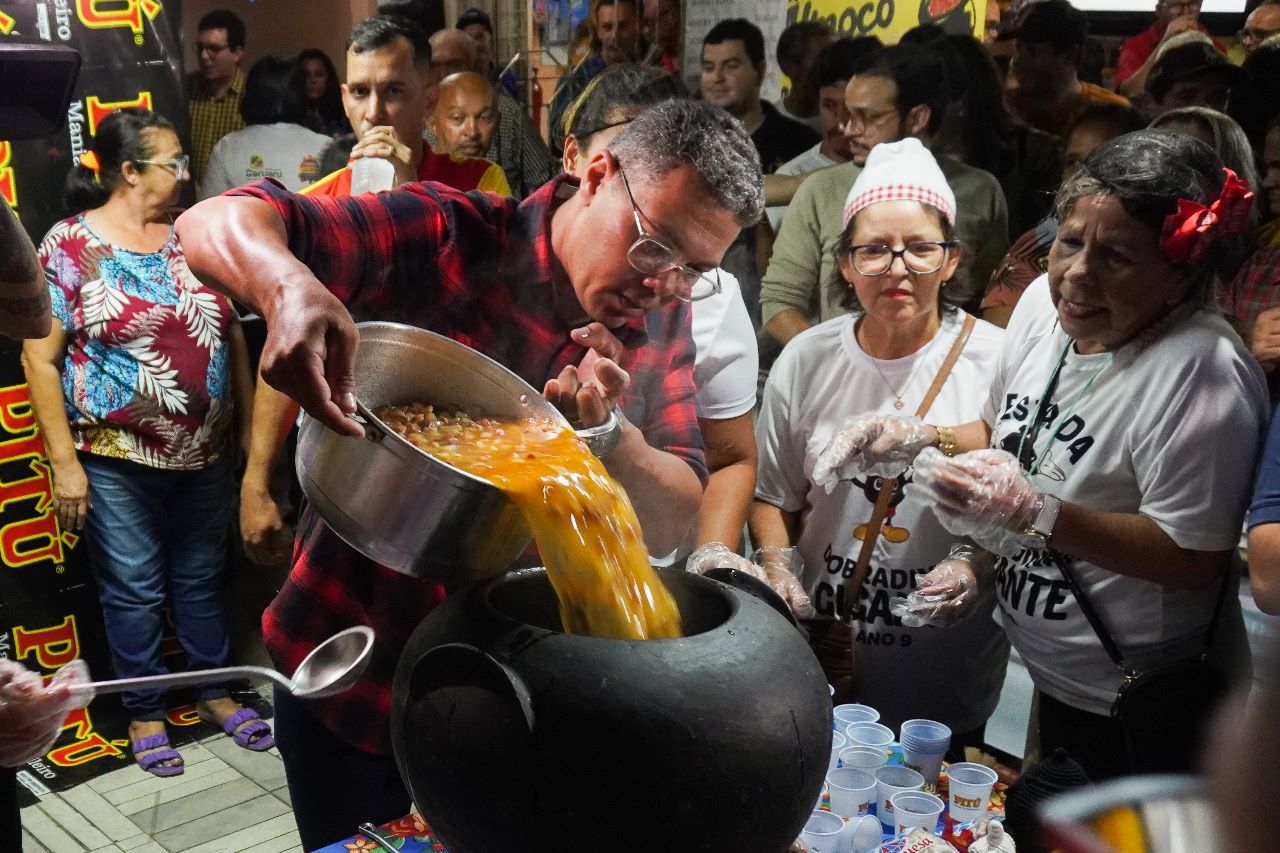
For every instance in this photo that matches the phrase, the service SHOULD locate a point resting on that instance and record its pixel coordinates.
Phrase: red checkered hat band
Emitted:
(899, 192)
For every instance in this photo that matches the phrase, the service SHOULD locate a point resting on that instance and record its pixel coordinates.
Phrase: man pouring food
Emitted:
(576, 290)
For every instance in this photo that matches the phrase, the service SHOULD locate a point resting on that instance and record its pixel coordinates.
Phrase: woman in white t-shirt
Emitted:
(1114, 454)
(898, 256)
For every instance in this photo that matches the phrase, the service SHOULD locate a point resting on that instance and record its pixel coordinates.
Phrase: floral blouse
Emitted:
(145, 376)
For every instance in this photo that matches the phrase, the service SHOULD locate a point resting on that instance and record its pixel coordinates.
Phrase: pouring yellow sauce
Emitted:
(585, 527)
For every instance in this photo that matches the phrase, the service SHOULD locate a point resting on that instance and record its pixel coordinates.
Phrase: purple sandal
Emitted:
(256, 734)
(156, 747)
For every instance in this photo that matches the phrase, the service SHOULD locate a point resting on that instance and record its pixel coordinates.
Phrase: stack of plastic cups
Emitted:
(924, 745)
(869, 734)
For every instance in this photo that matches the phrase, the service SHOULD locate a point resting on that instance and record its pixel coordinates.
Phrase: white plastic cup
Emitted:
(868, 758)
(924, 746)
(823, 832)
(969, 790)
(915, 808)
(371, 175)
(838, 745)
(869, 734)
(891, 780)
(854, 713)
(852, 792)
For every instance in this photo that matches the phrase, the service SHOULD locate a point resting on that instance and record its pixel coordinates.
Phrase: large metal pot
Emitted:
(395, 504)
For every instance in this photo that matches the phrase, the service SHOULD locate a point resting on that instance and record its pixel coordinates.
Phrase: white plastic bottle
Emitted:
(371, 175)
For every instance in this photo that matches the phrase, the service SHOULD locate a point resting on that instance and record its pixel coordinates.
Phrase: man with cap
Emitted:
(479, 26)
(892, 94)
(1138, 53)
(1043, 85)
(1190, 72)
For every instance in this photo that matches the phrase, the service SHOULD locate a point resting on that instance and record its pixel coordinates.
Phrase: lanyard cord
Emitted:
(1032, 434)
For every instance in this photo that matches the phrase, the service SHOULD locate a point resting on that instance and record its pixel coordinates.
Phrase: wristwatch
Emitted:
(1037, 535)
(602, 439)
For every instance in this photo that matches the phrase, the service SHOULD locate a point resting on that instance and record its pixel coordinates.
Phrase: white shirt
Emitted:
(287, 152)
(1169, 430)
(802, 164)
(822, 377)
(726, 367)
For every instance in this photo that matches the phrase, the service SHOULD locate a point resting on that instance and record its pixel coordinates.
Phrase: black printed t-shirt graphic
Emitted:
(780, 139)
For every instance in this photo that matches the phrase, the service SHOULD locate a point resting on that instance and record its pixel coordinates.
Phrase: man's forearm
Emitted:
(24, 297)
(786, 324)
(239, 246)
(273, 413)
(662, 487)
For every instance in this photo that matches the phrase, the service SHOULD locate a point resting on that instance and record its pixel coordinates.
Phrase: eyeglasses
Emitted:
(651, 257)
(1186, 7)
(860, 120)
(920, 257)
(1247, 34)
(211, 49)
(181, 165)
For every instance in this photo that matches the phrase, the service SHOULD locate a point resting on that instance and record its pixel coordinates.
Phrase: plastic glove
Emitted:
(31, 713)
(777, 568)
(946, 595)
(984, 495)
(881, 445)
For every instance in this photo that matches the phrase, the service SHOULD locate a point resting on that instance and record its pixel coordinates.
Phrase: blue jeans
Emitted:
(155, 534)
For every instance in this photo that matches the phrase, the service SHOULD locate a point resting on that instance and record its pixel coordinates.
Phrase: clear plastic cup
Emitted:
(969, 790)
(823, 833)
(892, 780)
(838, 745)
(869, 734)
(845, 715)
(915, 808)
(371, 175)
(852, 791)
(868, 758)
(924, 746)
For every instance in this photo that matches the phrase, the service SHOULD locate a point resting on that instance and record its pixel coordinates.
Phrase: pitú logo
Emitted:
(954, 16)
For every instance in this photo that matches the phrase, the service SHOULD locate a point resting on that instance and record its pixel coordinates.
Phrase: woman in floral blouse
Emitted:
(134, 391)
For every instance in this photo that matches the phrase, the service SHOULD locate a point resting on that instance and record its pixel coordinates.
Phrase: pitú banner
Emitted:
(889, 19)
(49, 610)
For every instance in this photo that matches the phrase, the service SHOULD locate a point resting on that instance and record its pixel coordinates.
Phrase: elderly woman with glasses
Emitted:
(1110, 468)
(135, 391)
(897, 257)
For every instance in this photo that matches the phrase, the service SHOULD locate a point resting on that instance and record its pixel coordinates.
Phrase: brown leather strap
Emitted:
(889, 485)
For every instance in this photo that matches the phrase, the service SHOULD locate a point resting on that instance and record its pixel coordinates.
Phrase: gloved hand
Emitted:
(982, 494)
(775, 569)
(31, 713)
(946, 595)
(881, 445)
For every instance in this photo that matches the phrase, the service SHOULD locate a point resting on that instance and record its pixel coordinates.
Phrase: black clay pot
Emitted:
(514, 737)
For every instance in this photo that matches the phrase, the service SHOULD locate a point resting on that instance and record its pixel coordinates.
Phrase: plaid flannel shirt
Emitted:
(211, 118)
(479, 269)
(1255, 288)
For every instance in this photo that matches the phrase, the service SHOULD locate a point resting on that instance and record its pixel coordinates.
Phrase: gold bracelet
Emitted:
(946, 440)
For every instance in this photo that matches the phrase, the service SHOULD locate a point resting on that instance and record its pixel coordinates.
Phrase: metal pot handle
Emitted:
(373, 430)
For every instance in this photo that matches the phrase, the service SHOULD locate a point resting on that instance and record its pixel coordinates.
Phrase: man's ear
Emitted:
(917, 120)
(600, 167)
(569, 158)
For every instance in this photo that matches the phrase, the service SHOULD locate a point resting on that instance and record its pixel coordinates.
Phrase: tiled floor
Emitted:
(229, 800)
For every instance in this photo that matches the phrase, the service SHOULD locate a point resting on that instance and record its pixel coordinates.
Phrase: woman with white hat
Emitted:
(903, 347)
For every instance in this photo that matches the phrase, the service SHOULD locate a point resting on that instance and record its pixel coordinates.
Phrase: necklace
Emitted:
(1032, 433)
(897, 395)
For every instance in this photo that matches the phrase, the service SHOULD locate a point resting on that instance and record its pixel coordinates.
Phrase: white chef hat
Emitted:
(900, 171)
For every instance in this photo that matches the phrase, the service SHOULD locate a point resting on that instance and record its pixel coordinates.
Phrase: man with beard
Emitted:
(616, 39)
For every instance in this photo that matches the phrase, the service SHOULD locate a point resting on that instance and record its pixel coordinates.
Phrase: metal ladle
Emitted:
(332, 667)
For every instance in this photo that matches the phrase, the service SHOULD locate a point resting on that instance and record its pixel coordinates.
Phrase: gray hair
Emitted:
(706, 139)
(1148, 171)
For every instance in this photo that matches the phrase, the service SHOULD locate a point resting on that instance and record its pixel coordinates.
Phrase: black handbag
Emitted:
(1166, 698)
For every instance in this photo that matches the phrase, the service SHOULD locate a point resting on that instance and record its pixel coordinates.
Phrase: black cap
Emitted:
(1186, 61)
(475, 16)
(1053, 21)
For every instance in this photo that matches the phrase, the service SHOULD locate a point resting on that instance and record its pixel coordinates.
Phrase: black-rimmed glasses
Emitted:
(651, 257)
(921, 257)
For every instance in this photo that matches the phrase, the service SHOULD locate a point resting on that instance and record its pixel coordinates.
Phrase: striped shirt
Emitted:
(211, 118)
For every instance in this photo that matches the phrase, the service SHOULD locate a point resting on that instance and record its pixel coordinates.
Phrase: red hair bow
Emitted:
(1190, 231)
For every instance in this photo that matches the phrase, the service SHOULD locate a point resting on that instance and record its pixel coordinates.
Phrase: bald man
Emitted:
(452, 52)
(465, 117)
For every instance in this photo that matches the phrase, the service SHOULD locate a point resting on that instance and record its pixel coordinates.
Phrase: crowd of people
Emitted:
(972, 339)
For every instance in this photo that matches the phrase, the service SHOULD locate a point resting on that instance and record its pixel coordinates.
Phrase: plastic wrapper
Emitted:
(983, 495)
(946, 595)
(31, 713)
(777, 567)
(917, 840)
(880, 445)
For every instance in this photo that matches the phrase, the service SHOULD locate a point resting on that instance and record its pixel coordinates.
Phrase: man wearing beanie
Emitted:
(893, 94)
